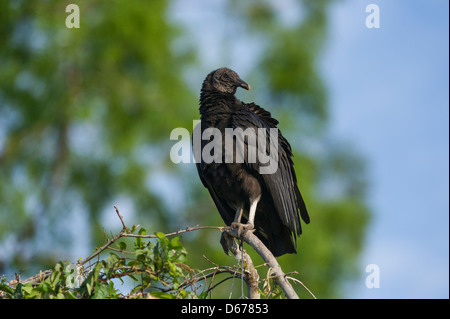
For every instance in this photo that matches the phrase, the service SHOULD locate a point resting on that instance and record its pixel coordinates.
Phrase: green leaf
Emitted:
(160, 235)
(136, 289)
(182, 293)
(7, 289)
(175, 243)
(60, 295)
(162, 295)
(36, 294)
(101, 291)
(55, 277)
(173, 269)
(27, 288)
(46, 287)
(113, 258)
(122, 245)
(139, 242)
(69, 295)
(89, 288)
(203, 295)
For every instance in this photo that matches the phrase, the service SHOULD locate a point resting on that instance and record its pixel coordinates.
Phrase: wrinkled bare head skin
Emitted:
(227, 81)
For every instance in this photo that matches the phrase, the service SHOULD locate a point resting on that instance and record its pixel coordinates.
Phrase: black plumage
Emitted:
(269, 204)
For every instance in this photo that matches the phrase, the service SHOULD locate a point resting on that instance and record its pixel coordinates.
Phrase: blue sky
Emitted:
(388, 96)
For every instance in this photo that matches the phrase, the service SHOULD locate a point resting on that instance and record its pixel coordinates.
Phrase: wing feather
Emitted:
(282, 185)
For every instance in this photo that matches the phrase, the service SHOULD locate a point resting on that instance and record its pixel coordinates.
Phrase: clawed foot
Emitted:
(242, 227)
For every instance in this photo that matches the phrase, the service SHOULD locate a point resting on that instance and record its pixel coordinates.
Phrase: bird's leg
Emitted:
(252, 213)
(238, 216)
(237, 219)
(251, 218)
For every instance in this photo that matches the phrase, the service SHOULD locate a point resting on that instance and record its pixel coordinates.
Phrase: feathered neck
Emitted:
(213, 101)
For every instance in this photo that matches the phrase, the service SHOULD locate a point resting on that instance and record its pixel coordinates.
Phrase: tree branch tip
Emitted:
(124, 227)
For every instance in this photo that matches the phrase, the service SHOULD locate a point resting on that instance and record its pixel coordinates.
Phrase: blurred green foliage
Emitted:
(156, 268)
(85, 119)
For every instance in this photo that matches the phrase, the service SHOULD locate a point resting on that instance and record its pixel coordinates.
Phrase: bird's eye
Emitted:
(226, 76)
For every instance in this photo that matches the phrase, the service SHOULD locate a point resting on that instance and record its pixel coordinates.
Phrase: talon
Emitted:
(249, 227)
(240, 227)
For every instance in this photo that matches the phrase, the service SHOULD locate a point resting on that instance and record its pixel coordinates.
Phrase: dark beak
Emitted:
(244, 85)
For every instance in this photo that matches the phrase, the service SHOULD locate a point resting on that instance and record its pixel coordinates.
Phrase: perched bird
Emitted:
(266, 203)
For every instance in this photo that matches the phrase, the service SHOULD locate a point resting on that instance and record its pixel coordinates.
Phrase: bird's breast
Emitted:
(232, 183)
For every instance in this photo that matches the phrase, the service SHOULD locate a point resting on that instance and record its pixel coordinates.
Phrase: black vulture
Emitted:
(266, 203)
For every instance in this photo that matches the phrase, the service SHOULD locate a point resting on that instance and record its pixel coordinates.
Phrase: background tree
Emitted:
(86, 114)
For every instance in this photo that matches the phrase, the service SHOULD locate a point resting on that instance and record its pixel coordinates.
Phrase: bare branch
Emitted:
(181, 231)
(252, 277)
(124, 227)
(268, 257)
(109, 242)
(301, 283)
(31, 280)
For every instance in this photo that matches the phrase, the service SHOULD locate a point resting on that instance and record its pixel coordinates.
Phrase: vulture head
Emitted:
(227, 81)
